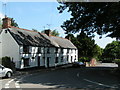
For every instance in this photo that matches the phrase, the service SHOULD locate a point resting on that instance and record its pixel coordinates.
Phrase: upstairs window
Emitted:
(68, 51)
(48, 50)
(56, 50)
(39, 50)
(25, 49)
(61, 50)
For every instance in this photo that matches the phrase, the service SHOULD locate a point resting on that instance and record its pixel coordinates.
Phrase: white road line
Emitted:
(17, 84)
(8, 83)
(77, 74)
(99, 83)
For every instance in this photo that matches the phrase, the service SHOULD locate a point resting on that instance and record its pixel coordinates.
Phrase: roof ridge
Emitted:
(24, 29)
(58, 37)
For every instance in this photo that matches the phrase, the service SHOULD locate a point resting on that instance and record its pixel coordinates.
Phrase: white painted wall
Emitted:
(10, 47)
(0, 46)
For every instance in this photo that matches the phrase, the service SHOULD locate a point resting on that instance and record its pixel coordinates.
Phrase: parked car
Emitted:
(78, 64)
(5, 72)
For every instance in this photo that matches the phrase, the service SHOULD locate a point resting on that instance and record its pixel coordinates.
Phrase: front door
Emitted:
(48, 62)
(38, 61)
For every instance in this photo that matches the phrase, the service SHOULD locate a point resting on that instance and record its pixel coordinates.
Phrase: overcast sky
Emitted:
(39, 15)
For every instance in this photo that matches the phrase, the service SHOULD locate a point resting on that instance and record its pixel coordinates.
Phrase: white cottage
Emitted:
(34, 49)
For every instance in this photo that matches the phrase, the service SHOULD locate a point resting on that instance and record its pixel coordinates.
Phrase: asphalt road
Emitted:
(90, 77)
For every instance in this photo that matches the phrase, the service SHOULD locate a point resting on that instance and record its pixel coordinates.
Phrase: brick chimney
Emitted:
(6, 22)
(48, 32)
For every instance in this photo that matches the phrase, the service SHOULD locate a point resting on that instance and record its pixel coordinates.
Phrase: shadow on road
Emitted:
(89, 77)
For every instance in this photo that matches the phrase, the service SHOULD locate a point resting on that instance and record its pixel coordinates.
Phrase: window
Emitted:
(56, 60)
(75, 57)
(25, 49)
(56, 50)
(62, 59)
(71, 58)
(75, 51)
(67, 57)
(5, 31)
(39, 50)
(48, 50)
(61, 50)
(68, 50)
(26, 62)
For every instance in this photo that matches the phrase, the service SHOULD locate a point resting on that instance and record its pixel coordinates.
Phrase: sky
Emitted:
(40, 16)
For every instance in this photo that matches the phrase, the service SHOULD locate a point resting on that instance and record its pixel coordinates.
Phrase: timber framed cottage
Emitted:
(29, 48)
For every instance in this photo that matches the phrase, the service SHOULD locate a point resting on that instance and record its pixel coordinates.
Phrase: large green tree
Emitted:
(86, 45)
(91, 17)
(112, 50)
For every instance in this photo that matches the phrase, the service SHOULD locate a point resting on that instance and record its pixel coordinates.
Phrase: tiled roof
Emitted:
(33, 38)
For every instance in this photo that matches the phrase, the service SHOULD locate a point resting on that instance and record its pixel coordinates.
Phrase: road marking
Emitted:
(99, 83)
(8, 83)
(77, 74)
(17, 84)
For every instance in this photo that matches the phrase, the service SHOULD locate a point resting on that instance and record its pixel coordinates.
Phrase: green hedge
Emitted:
(84, 59)
(6, 61)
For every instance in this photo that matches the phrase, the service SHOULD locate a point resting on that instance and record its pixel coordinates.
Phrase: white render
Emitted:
(9, 47)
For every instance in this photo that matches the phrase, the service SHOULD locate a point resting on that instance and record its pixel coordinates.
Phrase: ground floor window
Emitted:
(56, 60)
(62, 59)
(26, 62)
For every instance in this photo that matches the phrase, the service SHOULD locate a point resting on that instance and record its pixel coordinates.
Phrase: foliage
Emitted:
(90, 17)
(13, 23)
(54, 32)
(112, 50)
(6, 61)
(84, 59)
(86, 45)
(117, 61)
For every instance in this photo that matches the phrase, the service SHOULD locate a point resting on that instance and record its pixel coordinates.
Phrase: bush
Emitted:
(117, 61)
(84, 59)
(6, 61)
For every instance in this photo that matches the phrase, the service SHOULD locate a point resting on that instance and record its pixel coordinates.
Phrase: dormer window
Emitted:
(61, 50)
(39, 50)
(25, 49)
(48, 50)
(56, 50)
(68, 51)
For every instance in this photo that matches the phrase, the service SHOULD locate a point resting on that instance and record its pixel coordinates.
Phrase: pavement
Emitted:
(35, 70)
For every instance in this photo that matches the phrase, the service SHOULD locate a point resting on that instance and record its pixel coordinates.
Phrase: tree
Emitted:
(102, 18)
(13, 23)
(112, 50)
(86, 45)
(54, 32)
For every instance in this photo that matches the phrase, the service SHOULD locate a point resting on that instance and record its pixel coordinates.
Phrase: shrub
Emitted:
(84, 59)
(6, 61)
(117, 61)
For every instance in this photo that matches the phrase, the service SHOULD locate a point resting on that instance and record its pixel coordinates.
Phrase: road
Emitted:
(90, 77)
